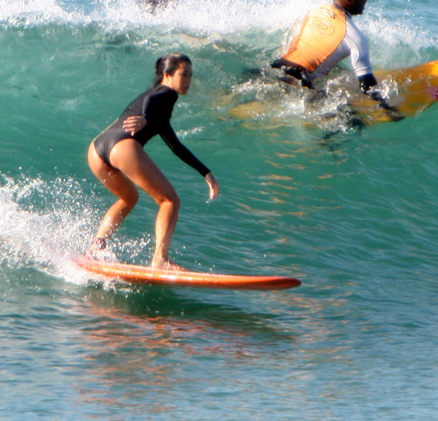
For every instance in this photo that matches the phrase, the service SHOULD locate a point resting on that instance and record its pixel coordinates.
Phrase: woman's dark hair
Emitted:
(169, 64)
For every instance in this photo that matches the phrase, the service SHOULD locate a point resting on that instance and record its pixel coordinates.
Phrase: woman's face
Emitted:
(181, 79)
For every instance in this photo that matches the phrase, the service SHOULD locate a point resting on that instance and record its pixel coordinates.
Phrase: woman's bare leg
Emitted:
(129, 157)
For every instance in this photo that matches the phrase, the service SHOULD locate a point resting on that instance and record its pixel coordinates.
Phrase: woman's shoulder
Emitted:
(160, 100)
(162, 91)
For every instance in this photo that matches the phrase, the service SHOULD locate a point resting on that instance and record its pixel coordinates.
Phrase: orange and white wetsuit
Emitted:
(327, 36)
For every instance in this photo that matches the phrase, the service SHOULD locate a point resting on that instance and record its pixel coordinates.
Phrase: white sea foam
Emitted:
(46, 224)
(43, 225)
(198, 15)
(393, 32)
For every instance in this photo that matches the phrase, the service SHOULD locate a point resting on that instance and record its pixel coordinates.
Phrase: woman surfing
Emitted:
(117, 158)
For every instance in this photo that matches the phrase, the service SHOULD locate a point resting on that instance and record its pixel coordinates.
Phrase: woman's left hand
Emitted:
(213, 185)
(134, 124)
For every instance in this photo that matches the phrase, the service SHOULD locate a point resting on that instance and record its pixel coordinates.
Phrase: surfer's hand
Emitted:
(134, 124)
(213, 185)
(394, 114)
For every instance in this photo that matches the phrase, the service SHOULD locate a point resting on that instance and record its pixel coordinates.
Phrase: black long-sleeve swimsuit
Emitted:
(156, 105)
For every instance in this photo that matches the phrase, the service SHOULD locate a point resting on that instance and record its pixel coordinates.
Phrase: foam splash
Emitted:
(46, 224)
(42, 227)
(396, 35)
(195, 15)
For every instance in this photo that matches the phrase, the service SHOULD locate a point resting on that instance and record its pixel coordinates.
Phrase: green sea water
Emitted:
(350, 211)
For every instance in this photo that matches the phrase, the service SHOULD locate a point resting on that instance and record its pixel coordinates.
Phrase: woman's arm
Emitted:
(168, 135)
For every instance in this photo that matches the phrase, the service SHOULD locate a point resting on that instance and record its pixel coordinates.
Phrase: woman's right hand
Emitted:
(134, 124)
(213, 185)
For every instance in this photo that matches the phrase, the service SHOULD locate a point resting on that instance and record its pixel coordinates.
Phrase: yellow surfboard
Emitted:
(411, 91)
(415, 89)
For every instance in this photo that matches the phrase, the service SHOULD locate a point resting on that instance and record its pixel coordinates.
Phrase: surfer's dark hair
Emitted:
(169, 64)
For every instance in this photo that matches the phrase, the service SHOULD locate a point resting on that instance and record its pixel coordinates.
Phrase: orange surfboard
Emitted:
(147, 275)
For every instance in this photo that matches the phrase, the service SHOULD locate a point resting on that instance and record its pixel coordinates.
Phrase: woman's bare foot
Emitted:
(97, 245)
(98, 251)
(166, 265)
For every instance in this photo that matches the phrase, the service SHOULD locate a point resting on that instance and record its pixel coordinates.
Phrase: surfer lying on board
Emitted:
(117, 159)
(328, 35)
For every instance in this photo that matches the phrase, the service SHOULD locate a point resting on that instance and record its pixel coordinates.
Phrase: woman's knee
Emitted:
(131, 199)
(171, 199)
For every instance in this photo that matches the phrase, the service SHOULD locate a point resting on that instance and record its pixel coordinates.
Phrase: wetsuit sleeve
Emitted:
(168, 135)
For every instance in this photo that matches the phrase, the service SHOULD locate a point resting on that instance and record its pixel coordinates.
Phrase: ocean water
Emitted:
(352, 211)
